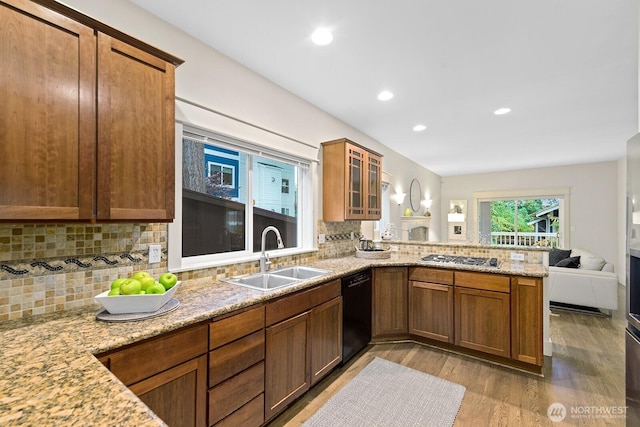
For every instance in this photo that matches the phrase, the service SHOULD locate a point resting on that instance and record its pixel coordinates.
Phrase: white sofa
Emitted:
(586, 285)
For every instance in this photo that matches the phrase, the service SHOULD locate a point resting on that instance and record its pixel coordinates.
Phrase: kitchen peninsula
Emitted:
(49, 374)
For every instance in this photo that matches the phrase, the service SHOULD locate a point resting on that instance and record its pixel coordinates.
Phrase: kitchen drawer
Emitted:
(231, 359)
(232, 394)
(229, 329)
(431, 275)
(147, 358)
(295, 304)
(483, 281)
(250, 415)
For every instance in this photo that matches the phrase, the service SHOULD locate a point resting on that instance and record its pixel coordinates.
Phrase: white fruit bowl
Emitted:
(124, 304)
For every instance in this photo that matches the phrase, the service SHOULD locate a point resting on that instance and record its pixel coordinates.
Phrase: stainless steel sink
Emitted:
(299, 272)
(277, 279)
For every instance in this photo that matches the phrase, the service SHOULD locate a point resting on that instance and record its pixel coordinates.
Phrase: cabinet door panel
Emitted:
(431, 311)
(390, 300)
(135, 133)
(482, 321)
(374, 186)
(326, 338)
(47, 122)
(526, 317)
(287, 363)
(177, 395)
(356, 182)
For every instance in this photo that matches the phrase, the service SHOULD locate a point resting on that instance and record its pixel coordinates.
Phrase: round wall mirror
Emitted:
(415, 195)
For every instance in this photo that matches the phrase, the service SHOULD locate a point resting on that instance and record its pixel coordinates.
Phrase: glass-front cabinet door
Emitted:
(374, 188)
(356, 159)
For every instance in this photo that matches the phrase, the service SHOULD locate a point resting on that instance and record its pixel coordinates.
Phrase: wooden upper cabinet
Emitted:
(135, 133)
(351, 181)
(87, 122)
(47, 118)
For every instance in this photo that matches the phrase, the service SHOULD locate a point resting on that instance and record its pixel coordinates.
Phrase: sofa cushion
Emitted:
(571, 262)
(556, 255)
(588, 260)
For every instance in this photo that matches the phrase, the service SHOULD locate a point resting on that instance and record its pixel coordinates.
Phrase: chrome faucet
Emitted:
(264, 257)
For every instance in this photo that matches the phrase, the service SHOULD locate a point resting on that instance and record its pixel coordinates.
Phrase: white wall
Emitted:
(210, 79)
(594, 201)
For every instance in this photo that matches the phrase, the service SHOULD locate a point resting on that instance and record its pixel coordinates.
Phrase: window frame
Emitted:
(561, 193)
(306, 218)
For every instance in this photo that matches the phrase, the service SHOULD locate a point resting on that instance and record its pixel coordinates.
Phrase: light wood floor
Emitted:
(586, 372)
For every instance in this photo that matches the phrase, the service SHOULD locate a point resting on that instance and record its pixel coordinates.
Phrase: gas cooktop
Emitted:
(453, 259)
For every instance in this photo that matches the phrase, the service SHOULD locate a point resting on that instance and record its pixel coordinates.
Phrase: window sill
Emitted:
(273, 254)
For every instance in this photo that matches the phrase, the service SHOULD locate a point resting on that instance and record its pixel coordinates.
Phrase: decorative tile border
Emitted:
(11, 270)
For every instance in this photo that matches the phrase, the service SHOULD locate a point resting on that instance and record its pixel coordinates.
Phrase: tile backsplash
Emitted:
(45, 268)
(53, 267)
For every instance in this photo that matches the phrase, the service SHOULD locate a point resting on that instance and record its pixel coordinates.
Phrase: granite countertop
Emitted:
(49, 376)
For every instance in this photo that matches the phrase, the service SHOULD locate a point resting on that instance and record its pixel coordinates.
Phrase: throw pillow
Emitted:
(571, 262)
(588, 260)
(556, 255)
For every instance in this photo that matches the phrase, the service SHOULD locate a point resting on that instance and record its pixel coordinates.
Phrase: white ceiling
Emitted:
(566, 68)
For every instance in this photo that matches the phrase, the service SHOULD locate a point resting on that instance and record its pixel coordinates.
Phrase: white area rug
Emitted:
(386, 394)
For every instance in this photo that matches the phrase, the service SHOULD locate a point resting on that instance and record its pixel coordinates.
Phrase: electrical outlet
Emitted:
(352, 235)
(321, 238)
(517, 256)
(155, 254)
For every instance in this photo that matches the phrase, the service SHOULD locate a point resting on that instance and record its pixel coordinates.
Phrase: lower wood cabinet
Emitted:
(236, 369)
(526, 320)
(483, 312)
(431, 303)
(168, 373)
(177, 394)
(288, 363)
(390, 302)
(303, 343)
(326, 338)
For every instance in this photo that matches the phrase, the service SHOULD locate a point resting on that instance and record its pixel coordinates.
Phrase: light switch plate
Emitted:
(155, 254)
(321, 238)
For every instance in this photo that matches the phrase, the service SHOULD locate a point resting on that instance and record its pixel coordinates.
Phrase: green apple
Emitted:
(114, 292)
(116, 283)
(156, 288)
(140, 274)
(168, 280)
(130, 287)
(146, 282)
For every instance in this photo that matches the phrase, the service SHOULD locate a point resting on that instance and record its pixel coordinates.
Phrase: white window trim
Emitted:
(557, 192)
(175, 261)
(222, 168)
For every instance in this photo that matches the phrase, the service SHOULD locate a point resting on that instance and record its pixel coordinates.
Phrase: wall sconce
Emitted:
(399, 198)
(427, 204)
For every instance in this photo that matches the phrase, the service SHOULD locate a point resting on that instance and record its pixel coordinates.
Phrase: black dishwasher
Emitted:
(356, 313)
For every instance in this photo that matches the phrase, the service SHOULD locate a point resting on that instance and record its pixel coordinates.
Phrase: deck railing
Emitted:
(524, 239)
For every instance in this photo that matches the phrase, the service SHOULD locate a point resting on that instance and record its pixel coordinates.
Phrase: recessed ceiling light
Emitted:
(322, 36)
(501, 111)
(385, 95)
(419, 128)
